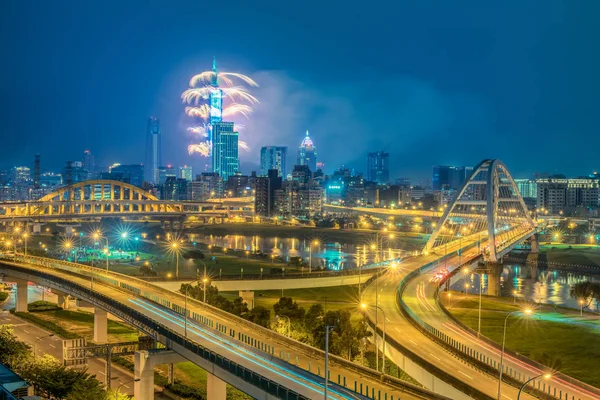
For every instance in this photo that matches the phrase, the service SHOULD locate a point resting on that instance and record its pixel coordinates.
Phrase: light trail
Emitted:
(238, 350)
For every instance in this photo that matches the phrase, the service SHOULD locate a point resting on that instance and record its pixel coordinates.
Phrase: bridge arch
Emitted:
(98, 189)
(487, 207)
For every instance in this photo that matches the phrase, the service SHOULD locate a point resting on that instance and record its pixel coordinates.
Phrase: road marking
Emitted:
(387, 319)
(100, 372)
(396, 328)
(465, 375)
(507, 397)
(26, 331)
(413, 342)
(128, 386)
(51, 345)
(437, 358)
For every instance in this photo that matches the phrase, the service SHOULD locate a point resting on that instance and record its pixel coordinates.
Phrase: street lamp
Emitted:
(175, 246)
(25, 236)
(316, 243)
(328, 329)
(36, 342)
(527, 311)
(365, 306)
(122, 384)
(544, 375)
(581, 303)
(98, 235)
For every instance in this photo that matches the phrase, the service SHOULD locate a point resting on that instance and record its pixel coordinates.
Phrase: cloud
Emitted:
(346, 120)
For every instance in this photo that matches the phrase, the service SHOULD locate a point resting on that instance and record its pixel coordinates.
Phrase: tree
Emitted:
(287, 307)
(13, 352)
(193, 254)
(313, 316)
(260, 316)
(583, 291)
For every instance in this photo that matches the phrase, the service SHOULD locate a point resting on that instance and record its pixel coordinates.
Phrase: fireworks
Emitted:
(214, 95)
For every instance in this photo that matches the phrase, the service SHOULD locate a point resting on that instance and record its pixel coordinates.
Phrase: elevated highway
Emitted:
(256, 360)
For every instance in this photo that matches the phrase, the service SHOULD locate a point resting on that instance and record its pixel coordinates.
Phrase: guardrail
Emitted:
(469, 354)
(118, 308)
(516, 355)
(125, 282)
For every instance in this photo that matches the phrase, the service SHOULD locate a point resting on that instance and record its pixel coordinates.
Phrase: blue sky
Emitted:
(432, 82)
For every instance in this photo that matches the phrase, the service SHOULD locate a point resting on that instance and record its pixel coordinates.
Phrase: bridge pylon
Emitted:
(488, 212)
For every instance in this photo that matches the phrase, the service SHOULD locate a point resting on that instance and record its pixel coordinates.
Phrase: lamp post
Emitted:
(514, 292)
(316, 243)
(36, 342)
(527, 311)
(97, 236)
(121, 385)
(365, 306)
(175, 247)
(25, 236)
(328, 329)
(581, 303)
(544, 375)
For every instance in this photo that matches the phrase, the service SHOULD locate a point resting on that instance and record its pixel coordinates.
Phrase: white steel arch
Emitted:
(487, 207)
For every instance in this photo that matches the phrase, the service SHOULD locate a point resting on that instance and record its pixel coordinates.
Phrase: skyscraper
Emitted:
(273, 157)
(449, 177)
(153, 150)
(225, 149)
(88, 163)
(307, 153)
(185, 172)
(378, 167)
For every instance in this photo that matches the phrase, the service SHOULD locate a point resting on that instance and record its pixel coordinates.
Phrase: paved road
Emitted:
(419, 296)
(223, 344)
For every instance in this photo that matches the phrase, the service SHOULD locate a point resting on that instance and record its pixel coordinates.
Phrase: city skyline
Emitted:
(477, 105)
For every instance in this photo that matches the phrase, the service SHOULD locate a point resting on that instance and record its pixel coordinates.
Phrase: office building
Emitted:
(88, 163)
(527, 188)
(307, 153)
(450, 177)
(175, 189)
(74, 173)
(273, 157)
(185, 172)
(207, 185)
(165, 172)
(378, 167)
(21, 175)
(225, 158)
(264, 198)
(132, 174)
(239, 185)
(153, 150)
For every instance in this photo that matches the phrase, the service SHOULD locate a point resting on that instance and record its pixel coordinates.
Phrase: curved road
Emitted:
(419, 297)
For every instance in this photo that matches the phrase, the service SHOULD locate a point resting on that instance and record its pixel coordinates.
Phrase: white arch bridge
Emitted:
(105, 198)
(488, 211)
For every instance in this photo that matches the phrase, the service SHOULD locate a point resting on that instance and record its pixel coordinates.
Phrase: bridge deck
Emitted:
(214, 330)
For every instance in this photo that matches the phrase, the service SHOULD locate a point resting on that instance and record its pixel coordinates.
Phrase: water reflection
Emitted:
(529, 283)
(332, 255)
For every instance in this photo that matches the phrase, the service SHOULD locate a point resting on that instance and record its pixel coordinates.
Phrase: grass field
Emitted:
(562, 340)
(579, 255)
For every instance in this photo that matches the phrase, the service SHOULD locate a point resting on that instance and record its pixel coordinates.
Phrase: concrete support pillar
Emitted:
(535, 247)
(100, 325)
(248, 298)
(63, 301)
(21, 296)
(216, 389)
(144, 371)
(494, 279)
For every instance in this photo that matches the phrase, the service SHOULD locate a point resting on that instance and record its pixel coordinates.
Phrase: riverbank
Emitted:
(356, 236)
(556, 337)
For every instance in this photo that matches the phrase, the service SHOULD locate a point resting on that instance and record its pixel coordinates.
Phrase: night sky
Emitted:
(432, 82)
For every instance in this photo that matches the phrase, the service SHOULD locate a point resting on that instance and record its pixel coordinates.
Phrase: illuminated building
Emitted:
(307, 153)
(207, 185)
(164, 173)
(225, 158)
(273, 157)
(153, 150)
(175, 189)
(449, 177)
(132, 174)
(559, 193)
(185, 172)
(88, 163)
(378, 167)
(527, 188)
(264, 199)
(21, 175)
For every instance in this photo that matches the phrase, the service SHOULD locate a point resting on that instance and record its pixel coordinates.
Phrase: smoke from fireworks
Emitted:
(237, 101)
